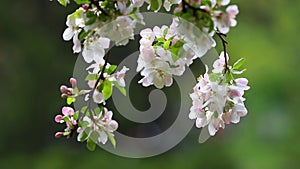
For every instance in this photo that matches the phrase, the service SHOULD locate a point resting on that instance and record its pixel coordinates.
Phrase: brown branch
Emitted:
(224, 43)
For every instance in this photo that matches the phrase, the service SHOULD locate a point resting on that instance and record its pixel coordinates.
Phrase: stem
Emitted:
(224, 42)
(101, 77)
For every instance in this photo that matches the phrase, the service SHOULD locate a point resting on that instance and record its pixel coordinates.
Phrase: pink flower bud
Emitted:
(85, 6)
(69, 91)
(73, 82)
(113, 125)
(58, 118)
(58, 134)
(63, 88)
(67, 111)
(64, 95)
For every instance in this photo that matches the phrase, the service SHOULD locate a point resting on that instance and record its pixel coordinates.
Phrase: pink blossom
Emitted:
(58, 134)
(67, 111)
(58, 118)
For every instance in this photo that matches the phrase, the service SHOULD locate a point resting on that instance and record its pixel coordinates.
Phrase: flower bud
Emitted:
(58, 118)
(73, 82)
(67, 111)
(64, 95)
(58, 134)
(85, 6)
(63, 88)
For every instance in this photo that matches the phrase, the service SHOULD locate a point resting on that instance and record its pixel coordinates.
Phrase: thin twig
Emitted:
(224, 43)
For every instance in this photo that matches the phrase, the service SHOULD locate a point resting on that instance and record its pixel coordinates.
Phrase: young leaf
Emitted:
(214, 77)
(122, 89)
(165, 32)
(82, 136)
(111, 69)
(167, 44)
(238, 63)
(83, 123)
(76, 114)
(112, 139)
(70, 100)
(107, 89)
(90, 144)
(82, 35)
(154, 5)
(238, 72)
(178, 44)
(91, 77)
(81, 2)
(66, 119)
(63, 2)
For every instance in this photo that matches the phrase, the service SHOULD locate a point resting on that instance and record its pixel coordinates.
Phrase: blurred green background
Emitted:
(34, 61)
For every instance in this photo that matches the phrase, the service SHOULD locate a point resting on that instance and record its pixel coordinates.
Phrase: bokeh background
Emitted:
(34, 61)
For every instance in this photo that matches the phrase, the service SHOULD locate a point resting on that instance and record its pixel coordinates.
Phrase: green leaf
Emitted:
(81, 2)
(83, 123)
(160, 39)
(165, 32)
(76, 114)
(107, 89)
(228, 77)
(238, 72)
(174, 53)
(178, 44)
(238, 63)
(91, 77)
(98, 110)
(82, 35)
(91, 20)
(70, 100)
(63, 2)
(90, 144)
(66, 119)
(167, 44)
(154, 5)
(111, 69)
(121, 89)
(112, 139)
(214, 77)
(82, 136)
(83, 109)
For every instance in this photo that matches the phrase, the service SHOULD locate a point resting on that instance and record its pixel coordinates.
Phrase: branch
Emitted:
(224, 42)
(101, 77)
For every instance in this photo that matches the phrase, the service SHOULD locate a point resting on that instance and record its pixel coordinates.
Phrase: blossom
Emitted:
(75, 24)
(94, 49)
(120, 30)
(215, 102)
(67, 116)
(158, 61)
(159, 74)
(224, 20)
(100, 127)
(219, 64)
(119, 76)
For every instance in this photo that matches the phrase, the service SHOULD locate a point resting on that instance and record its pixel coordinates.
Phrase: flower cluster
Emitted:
(217, 98)
(209, 15)
(160, 57)
(99, 127)
(69, 117)
(164, 53)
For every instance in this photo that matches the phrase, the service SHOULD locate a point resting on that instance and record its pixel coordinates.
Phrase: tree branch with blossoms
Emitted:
(165, 52)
